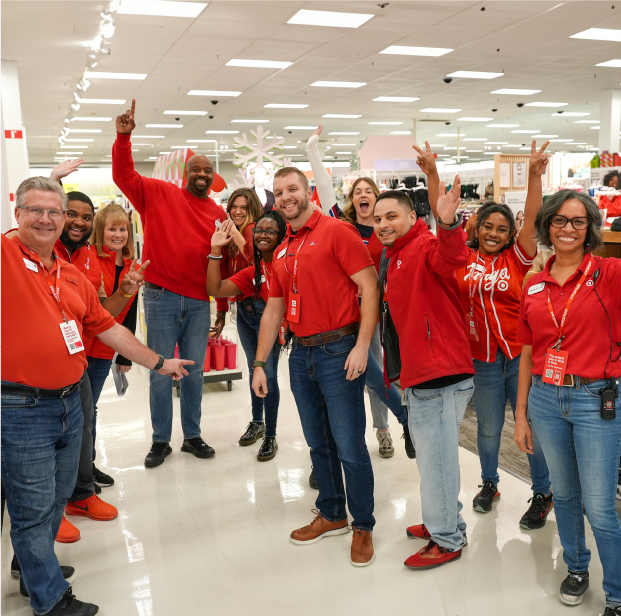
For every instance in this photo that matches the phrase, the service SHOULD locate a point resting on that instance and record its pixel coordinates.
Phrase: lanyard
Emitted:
(569, 301)
(55, 290)
(267, 276)
(295, 263)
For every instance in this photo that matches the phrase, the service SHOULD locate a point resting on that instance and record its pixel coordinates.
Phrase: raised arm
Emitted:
(323, 181)
(215, 285)
(534, 198)
(427, 163)
(65, 168)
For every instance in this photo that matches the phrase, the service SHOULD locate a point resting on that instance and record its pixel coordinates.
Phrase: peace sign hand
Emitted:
(538, 160)
(426, 160)
(125, 123)
(134, 279)
(449, 203)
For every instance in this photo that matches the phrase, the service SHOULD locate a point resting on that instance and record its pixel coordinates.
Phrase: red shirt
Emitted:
(331, 253)
(495, 282)
(586, 331)
(244, 281)
(85, 259)
(613, 206)
(177, 227)
(34, 352)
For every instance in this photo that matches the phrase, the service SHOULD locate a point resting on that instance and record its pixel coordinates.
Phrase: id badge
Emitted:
(555, 366)
(293, 313)
(473, 327)
(284, 326)
(72, 337)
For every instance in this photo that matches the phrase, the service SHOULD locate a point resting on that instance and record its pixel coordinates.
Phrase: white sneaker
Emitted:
(386, 450)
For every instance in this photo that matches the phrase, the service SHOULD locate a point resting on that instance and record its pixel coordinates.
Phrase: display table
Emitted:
(612, 244)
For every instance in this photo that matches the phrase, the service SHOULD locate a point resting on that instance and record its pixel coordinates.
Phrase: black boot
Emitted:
(268, 449)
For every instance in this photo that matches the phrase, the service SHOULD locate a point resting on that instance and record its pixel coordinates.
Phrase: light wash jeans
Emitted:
(174, 319)
(582, 451)
(495, 383)
(434, 419)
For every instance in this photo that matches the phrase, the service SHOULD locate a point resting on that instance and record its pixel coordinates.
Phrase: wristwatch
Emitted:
(258, 364)
(160, 363)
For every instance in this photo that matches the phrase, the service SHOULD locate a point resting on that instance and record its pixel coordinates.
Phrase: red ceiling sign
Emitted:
(13, 134)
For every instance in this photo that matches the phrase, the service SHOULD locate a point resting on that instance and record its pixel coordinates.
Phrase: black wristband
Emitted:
(160, 363)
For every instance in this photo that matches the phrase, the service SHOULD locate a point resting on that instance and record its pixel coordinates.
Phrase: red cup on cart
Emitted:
(230, 355)
(218, 356)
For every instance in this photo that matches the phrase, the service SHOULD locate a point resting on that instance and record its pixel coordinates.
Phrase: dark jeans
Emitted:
(98, 370)
(41, 440)
(332, 413)
(248, 328)
(85, 485)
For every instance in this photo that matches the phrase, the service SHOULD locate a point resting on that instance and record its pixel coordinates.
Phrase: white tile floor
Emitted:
(211, 536)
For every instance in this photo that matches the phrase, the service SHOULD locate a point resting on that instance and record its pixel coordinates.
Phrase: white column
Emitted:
(609, 120)
(14, 150)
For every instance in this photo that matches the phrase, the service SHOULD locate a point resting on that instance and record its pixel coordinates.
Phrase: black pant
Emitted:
(85, 486)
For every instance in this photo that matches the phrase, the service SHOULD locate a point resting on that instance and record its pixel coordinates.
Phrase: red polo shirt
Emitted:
(33, 349)
(332, 252)
(85, 259)
(244, 281)
(587, 330)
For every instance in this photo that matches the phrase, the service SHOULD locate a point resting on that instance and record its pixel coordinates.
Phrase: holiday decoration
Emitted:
(605, 159)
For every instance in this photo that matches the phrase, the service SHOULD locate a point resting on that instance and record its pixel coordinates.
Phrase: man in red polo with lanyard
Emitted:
(317, 271)
(48, 307)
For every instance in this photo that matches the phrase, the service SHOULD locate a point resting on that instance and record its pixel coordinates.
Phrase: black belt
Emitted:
(327, 337)
(35, 392)
(150, 285)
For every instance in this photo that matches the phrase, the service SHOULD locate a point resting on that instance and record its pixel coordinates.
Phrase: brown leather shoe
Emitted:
(318, 529)
(362, 552)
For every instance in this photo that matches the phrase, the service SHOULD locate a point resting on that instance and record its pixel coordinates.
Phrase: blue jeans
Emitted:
(494, 384)
(582, 451)
(171, 320)
(98, 370)
(434, 418)
(248, 328)
(332, 413)
(380, 398)
(41, 440)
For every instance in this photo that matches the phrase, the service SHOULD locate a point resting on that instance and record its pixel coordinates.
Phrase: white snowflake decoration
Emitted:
(243, 179)
(258, 151)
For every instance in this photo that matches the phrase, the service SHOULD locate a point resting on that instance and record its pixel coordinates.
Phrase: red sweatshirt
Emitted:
(425, 303)
(177, 227)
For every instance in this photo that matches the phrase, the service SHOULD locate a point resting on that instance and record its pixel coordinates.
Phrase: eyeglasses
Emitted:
(37, 212)
(579, 223)
(268, 232)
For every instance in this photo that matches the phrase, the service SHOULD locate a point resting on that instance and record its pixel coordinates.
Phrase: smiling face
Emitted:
(614, 182)
(291, 196)
(266, 242)
(493, 234)
(392, 221)
(568, 239)
(78, 225)
(115, 234)
(238, 211)
(199, 175)
(41, 233)
(364, 199)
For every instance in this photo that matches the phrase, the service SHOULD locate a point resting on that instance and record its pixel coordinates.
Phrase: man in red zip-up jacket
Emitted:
(178, 224)
(422, 300)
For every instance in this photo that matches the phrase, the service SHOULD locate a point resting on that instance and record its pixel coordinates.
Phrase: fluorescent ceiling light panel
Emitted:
(342, 152)
(586, 122)
(165, 152)
(396, 99)
(468, 119)
(305, 17)
(341, 133)
(561, 140)
(163, 125)
(599, 34)
(341, 115)
(611, 63)
(353, 145)
(291, 147)
(548, 137)
(300, 127)
(594, 127)
(571, 114)
(79, 140)
(84, 130)
(502, 125)
(403, 50)
(180, 112)
(439, 110)
(474, 150)
(148, 136)
(101, 101)
(387, 123)
(515, 91)
(339, 84)
(65, 153)
(476, 139)
(546, 104)
(475, 75)
(285, 106)
(75, 145)
(258, 63)
(401, 132)
(90, 119)
(221, 132)
(526, 131)
(102, 75)
(450, 135)
(212, 92)
(248, 121)
(161, 8)
(152, 158)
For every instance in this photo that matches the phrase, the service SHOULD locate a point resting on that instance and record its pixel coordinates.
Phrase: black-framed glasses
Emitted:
(269, 232)
(579, 223)
(38, 212)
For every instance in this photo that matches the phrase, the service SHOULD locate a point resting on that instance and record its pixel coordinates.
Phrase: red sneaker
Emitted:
(418, 531)
(93, 508)
(67, 533)
(432, 555)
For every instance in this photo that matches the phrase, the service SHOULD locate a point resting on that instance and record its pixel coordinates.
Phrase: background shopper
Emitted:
(244, 209)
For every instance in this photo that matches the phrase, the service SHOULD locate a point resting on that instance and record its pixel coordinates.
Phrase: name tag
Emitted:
(263, 278)
(281, 254)
(537, 288)
(30, 265)
(72, 337)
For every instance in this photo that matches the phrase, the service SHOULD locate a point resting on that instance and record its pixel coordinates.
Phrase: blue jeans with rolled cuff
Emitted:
(41, 439)
(248, 324)
(175, 320)
(333, 419)
(98, 371)
(582, 451)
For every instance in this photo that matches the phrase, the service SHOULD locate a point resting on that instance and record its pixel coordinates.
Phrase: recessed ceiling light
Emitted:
(502, 125)
(342, 133)
(494, 142)
(402, 50)
(180, 112)
(439, 110)
(140, 144)
(75, 145)
(102, 75)
(571, 114)
(163, 125)
(148, 136)
(526, 131)
(212, 92)
(515, 91)
(285, 106)
(547, 136)
(305, 17)
(493, 152)
(342, 152)
(178, 147)
(300, 127)
(339, 84)
(467, 119)
(65, 153)
(545, 104)
(291, 147)
(475, 75)
(165, 152)
(341, 115)
(512, 145)
(249, 121)
(387, 123)
(450, 135)
(221, 132)
(474, 150)
(594, 127)
(396, 99)
(90, 119)
(258, 63)
(401, 132)
(101, 101)
(476, 139)
(560, 140)
(161, 8)
(79, 140)
(611, 63)
(586, 122)
(199, 141)
(84, 130)
(599, 34)
(152, 158)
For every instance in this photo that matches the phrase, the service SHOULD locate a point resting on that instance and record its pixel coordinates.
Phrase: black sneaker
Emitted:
(613, 611)
(157, 455)
(268, 449)
(312, 482)
(409, 445)
(484, 500)
(537, 513)
(70, 606)
(198, 447)
(574, 586)
(68, 574)
(101, 479)
(254, 431)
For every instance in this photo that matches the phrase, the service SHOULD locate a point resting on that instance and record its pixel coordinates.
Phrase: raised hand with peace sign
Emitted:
(125, 123)
(134, 279)
(426, 160)
(538, 160)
